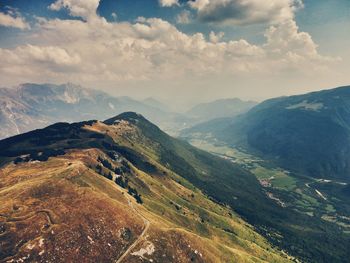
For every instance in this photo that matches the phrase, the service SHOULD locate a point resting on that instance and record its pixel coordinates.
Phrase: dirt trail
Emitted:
(48, 213)
(51, 221)
(320, 194)
(317, 191)
(139, 239)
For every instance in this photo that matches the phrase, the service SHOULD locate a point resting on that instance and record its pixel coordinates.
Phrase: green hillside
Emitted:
(153, 152)
(308, 134)
(119, 191)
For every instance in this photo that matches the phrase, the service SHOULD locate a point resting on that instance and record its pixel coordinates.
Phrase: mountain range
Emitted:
(308, 134)
(220, 109)
(30, 106)
(275, 190)
(122, 190)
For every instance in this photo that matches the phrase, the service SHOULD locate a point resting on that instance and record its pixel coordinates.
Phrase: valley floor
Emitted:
(315, 197)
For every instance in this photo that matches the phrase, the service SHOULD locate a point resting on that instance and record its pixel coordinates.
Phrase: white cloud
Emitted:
(215, 38)
(241, 12)
(49, 54)
(32, 57)
(168, 3)
(85, 9)
(184, 17)
(13, 19)
(150, 49)
(286, 38)
(199, 4)
(286, 43)
(114, 16)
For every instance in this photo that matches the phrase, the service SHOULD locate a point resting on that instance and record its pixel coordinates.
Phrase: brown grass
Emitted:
(63, 211)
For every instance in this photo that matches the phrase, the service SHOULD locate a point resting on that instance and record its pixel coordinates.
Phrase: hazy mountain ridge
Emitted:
(220, 109)
(305, 133)
(156, 104)
(16, 117)
(30, 106)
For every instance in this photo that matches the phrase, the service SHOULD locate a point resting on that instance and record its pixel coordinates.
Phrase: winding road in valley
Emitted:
(308, 185)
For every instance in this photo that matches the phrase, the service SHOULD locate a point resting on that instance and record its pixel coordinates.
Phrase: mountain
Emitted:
(30, 106)
(156, 104)
(308, 134)
(123, 189)
(16, 117)
(220, 109)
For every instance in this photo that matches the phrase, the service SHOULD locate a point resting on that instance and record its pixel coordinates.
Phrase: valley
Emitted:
(307, 134)
(225, 200)
(229, 208)
(318, 198)
(174, 131)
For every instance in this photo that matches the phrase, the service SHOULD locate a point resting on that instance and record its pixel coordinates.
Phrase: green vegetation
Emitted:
(307, 134)
(227, 184)
(298, 193)
(277, 177)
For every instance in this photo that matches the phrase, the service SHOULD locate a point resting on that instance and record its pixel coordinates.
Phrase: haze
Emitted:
(182, 52)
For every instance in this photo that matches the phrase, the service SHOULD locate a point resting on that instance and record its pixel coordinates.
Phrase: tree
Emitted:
(109, 176)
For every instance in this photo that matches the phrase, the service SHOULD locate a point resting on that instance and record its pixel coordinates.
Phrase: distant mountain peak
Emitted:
(150, 101)
(68, 93)
(220, 108)
(30, 106)
(306, 133)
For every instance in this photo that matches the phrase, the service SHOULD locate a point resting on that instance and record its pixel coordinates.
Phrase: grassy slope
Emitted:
(299, 194)
(61, 211)
(229, 184)
(185, 224)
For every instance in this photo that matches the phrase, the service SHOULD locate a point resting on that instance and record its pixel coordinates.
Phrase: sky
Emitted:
(179, 51)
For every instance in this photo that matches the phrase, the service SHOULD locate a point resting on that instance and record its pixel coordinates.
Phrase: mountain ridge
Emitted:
(118, 170)
(220, 108)
(306, 133)
(29, 106)
(156, 157)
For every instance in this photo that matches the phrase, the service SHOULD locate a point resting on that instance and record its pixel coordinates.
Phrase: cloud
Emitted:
(150, 49)
(215, 38)
(168, 3)
(184, 17)
(35, 63)
(85, 9)
(114, 16)
(243, 12)
(31, 56)
(287, 43)
(286, 38)
(13, 19)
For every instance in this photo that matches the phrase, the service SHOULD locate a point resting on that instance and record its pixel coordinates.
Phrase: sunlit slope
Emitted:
(88, 192)
(226, 183)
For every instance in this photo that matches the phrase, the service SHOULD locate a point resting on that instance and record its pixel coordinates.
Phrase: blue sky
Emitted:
(316, 14)
(291, 38)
